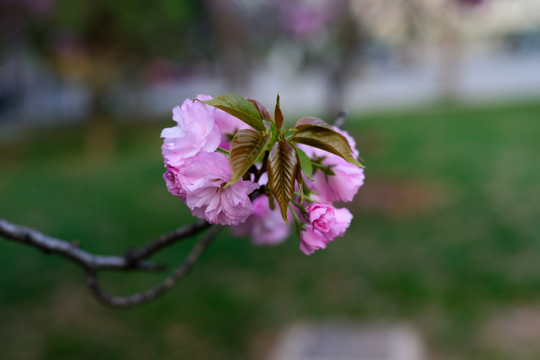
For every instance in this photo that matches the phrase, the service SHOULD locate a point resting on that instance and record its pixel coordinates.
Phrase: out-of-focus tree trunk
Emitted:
(233, 52)
(414, 14)
(450, 56)
(99, 132)
(351, 40)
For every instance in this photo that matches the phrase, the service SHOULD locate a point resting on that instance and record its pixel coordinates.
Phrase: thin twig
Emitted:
(150, 294)
(339, 121)
(133, 259)
(70, 250)
(184, 232)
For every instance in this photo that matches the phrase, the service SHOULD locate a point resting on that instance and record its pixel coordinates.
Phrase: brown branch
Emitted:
(70, 250)
(150, 294)
(184, 232)
(133, 259)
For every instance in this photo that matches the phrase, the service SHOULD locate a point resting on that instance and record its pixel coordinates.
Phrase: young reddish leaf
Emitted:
(278, 115)
(310, 121)
(239, 107)
(325, 139)
(246, 147)
(305, 162)
(265, 114)
(282, 169)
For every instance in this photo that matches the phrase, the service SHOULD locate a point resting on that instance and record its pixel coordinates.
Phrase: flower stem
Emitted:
(223, 151)
(306, 197)
(299, 225)
(300, 207)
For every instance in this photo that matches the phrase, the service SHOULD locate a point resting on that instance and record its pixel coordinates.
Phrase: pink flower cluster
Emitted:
(265, 226)
(195, 172)
(325, 222)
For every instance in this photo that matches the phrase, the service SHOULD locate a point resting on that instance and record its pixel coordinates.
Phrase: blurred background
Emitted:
(443, 98)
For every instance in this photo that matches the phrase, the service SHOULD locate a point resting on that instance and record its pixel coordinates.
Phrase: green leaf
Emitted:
(275, 134)
(246, 147)
(305, 162)
(311, 121)
(239, 107)
(278, 115)
(271, 202)
(300, 182)
(282, 170)
(265, 114)
(325, 139)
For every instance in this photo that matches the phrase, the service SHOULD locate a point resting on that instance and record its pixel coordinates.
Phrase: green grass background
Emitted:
(446, 237)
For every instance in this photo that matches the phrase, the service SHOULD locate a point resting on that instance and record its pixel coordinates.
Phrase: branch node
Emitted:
(130, 256)
(132, 259)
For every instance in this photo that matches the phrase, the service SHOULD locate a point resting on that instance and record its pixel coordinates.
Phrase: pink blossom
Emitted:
(265, 226)
(195, 132)
(328, 220)
(228, 125)
(172, 180)
(203, 178)
(342, 221)
(347, 178)
(321, 216)
(326, 224)
(341, 186)
(311, 240)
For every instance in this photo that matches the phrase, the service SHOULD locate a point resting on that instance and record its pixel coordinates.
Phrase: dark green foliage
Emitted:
(459, 248)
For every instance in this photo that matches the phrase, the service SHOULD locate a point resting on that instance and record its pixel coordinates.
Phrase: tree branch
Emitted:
(184, 232)
(150, 294)
(70, 250)
(133, 259)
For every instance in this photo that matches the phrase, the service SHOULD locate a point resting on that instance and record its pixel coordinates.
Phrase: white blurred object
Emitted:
(348, 342)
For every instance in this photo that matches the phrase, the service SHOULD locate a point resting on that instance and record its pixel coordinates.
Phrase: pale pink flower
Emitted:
(172, 180)
(311, 240)
(342, 221)
(326, 224)
(228, 125)
(203, 178)
(195, 132)
(328, 220)
(347, 178)
(341, 186)
(321, 216)
(264, 226)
